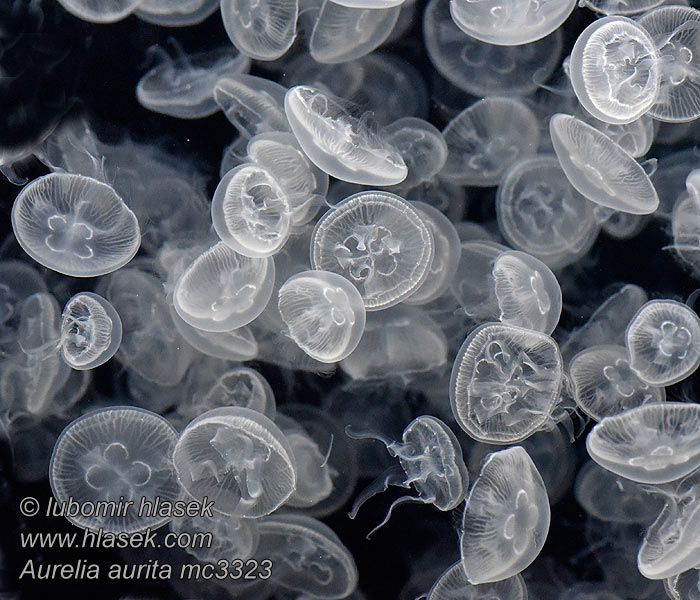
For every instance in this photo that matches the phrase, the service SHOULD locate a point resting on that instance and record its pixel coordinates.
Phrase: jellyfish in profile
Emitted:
(454, 585)
(506, 519)
(684, 586)
(662, 340)
(238, 458)
(324, 312)
(615, 70)
(653, 443)
(378, 242)
(621, 7)
(75, 225)
(91, 331)
(338, 142)
(505, 382)
(112, 455)
(430, 459)
(100, 11)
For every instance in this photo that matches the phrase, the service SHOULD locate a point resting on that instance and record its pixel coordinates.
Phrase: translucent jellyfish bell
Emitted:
(505, 382)
(506, 519)
(431, 460)
(654, 443)
(662, 340)
(91, 331)
(175, 13)
(622, 7)
(454, 585)
(112, 454)
(378, 242)
(522, 22)
(238, 458)
(324, 312)
(100, 11)
(75, 225)
(339, 143)
(615, 70)
(600, 169)
(223, 290)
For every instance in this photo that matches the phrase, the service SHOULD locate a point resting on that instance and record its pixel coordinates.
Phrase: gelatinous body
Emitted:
(454, 585)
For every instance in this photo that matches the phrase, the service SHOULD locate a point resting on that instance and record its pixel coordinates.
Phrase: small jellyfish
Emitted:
(91, 331)
(378, 242)
(486, 138)
(111, 456)
(653, 443)
(505, 382)
(175, 13)
(635, 137)
(100, 11)
(604, 385)
(75, 225)
(615, 70)
(454, 585)
(223, 290)
(338, 142)
(662, 341)
(430, 459)
(528, 292)
(506, 519)
(39, 325)
(520, 22)
(251, 212)
(324, 312)
(238, 458)
(600, 169)
(621, 7)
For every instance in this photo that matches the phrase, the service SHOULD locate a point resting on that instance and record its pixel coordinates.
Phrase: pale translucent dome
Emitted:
(263, 29)
(654, 443)
(454, 585)
(604, 385)
(238, 458)
(339, 143)
(370, 3)
(100, 11)
(615, 70)
(324, 312)
(622, 7)
(223, 290)
(184, 87)
(486, 138)
(600, 169)
(505, 382)
(541, 213)
(341, 33)
(378, 242)
(635, 137)
(527, 291)
(91, 331)
(675, 31)
(506, 519)
(175, 13)
(251, 212)
(663, 341)
(510, 22)
(113, 452)
(75, 225)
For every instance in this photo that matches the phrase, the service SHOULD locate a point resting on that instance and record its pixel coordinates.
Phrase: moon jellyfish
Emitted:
(238, 458)
(604, 385)
(75, 225)
(250, 211)
(338, 142)
(521, 22)
(430, 459)
(487, 138)
(263, 30)
(378, 242)
(600, 169)
(506, 519)
(324, 313)
(100, 11)
(635, 137)
(223, 290)
(505, 382)
(662, 340)
(307, 557)
(615, 70)
(454, 585)
(39, 325)
(528, 292)
(184, 87)
(111, 455)
(654, 443)
(540, 212)
(175, 13)
(621, 7)
(684, 586)
(91, 331)
(685, 225)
